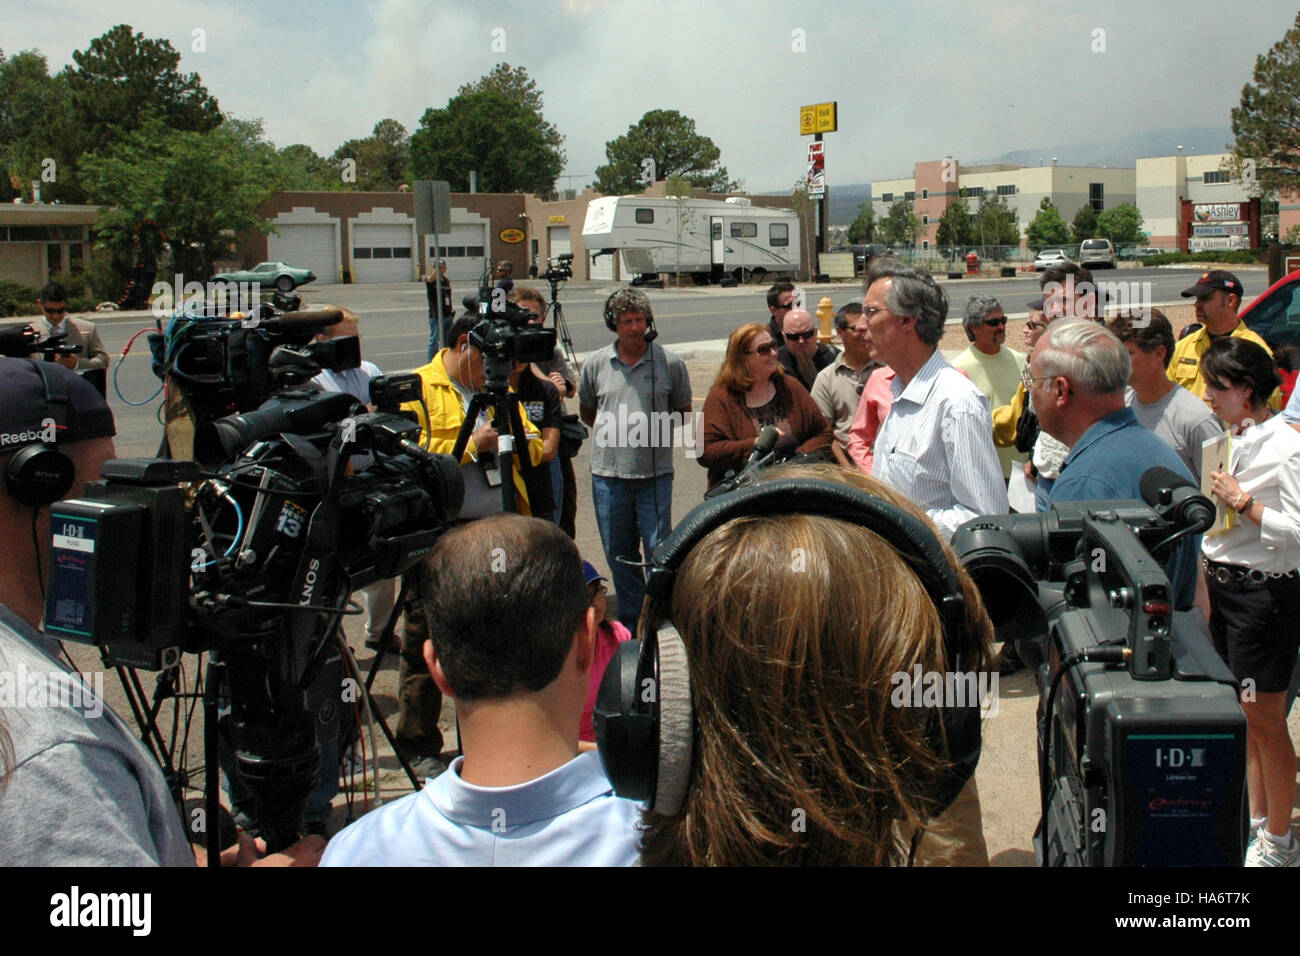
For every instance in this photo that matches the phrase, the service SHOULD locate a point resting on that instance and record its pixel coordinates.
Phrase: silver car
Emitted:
(1048, 258)
(1097, 252)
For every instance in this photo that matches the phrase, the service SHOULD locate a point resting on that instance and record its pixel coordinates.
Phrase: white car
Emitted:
(1048, 258)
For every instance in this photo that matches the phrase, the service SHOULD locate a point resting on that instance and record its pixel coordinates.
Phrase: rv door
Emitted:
(717, 248)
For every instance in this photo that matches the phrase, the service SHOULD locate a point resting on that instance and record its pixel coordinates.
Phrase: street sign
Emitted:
(816, 169)
(432, 206)
(817, 118)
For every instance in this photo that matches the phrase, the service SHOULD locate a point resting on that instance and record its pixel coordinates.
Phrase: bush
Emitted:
(19, 299)
(1231, 256)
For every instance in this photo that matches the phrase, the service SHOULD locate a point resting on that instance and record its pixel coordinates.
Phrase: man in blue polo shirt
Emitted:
(1076, 380)
(512, 641)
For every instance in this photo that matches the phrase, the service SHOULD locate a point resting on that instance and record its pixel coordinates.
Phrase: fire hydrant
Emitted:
(972, 264)
(825, 313)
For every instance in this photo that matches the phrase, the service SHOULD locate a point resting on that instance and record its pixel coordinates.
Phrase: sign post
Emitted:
(814, 120)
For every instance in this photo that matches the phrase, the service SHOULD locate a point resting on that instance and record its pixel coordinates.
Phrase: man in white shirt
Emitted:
(936, 445)
(994, 368)
(512, 640)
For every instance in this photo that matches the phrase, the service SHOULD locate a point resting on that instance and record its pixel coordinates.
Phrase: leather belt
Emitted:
(1236, 574)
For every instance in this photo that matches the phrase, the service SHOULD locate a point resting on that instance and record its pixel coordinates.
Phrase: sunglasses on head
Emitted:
(800, 336)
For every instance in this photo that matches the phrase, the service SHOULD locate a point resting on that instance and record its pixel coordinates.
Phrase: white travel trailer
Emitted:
(706, 239)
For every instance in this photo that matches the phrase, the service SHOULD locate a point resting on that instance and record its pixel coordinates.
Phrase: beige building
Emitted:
(40, 239)
(1165, 181)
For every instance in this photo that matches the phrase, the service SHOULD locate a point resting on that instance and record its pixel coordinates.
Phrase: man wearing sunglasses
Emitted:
(802, 355)
(92, 360)
(780, 300)
(994, 368)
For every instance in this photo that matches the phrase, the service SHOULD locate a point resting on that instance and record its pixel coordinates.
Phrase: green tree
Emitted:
(383, 159)
(995, 222)
(123, 82)
(1085, 223)
(201, 188)
(901, 226)
(669, 140)
(863, 227)
(1121, 224)
(30, 100)
(954, 225)
(492, 134)
(302, 168)
(679, 191)
(1266, 126)
(516, 84)
(1049, 227)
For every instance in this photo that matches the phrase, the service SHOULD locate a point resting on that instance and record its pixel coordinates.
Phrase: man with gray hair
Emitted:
(936, 444)
(994, 368)
(1076, 380)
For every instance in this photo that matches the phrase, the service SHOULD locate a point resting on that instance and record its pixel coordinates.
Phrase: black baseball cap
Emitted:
(24, 410)
(1214, 280)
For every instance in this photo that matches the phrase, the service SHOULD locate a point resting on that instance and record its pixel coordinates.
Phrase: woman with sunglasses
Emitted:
(750, 393)
(1253, 583)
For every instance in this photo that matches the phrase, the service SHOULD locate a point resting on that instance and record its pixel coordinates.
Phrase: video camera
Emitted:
(505, 335)
(22, 341)
(250, 553)
(1141, 739)
(234, 362)
(559, 269)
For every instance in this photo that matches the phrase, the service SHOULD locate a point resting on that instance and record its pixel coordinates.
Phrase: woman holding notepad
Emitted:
(1254, 585)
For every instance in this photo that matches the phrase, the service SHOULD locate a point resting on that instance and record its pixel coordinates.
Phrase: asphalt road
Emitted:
(394, 327)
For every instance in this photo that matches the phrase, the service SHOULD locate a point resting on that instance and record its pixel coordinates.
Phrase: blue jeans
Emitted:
(631, 513)
(557, 486)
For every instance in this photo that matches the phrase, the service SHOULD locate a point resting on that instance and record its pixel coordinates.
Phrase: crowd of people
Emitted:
(773, 737)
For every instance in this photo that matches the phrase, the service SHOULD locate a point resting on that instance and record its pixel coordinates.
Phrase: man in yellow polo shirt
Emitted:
(1218, 297)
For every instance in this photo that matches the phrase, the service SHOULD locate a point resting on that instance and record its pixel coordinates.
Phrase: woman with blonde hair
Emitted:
(798, 631)
(750, 393)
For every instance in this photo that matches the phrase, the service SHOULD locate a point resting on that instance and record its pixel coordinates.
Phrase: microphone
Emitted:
(759, 458)
(1176, 499)
(303, 321)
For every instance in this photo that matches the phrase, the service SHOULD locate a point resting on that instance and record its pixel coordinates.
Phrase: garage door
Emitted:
(307, 246)
(558, 239)
(465, 250)
(382, 253)
(602, 267)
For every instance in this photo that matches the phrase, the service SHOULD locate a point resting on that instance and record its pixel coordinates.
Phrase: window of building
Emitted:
(778, 234)
(886, 197)
(744, 230)
(1097, 196)
(925, 243)
(925, 194)
(925, 220)
(645, 215)
(361, 253)
(1214, 177)
(909, 196)
(1006, 190)
(973, 192)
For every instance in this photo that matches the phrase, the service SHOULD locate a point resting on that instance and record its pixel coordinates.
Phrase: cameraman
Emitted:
(450, 381)
(76, 787)
(92, 360)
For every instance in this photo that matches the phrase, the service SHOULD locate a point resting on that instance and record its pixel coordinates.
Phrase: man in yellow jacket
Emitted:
(450, 379)
(1218, 296)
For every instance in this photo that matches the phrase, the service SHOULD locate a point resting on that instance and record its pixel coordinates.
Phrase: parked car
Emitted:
(1275, 315)
(1048, 258)
(862, 255)
(284, 277)
(1095, 253)
(1135, 253)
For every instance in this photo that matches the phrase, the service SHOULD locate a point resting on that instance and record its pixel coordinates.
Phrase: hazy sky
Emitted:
(914, 80)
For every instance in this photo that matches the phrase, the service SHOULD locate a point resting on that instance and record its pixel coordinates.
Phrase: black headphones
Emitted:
(41, 474)
(637, 301)
(643, 715)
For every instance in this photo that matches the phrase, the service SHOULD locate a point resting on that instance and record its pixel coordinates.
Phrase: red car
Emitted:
(1275, 318)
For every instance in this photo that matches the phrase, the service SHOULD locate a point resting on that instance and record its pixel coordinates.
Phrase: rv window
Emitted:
(645, 215)
(717, 230)
(778, 234)
(744, 230)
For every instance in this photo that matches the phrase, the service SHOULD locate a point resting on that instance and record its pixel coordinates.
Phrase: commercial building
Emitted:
(38, 240)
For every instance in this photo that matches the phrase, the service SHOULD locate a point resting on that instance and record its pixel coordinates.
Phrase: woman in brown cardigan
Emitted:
(750, 393)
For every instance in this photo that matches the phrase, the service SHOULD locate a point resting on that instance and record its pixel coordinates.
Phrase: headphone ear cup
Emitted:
(39, 475)
(676, 723)
(626, 736)
(610, 322)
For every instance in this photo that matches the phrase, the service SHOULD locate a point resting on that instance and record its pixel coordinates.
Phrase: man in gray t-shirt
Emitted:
(1177, 416)
(636, 396)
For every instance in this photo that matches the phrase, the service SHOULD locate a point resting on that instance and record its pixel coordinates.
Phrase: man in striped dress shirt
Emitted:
(936, 444)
